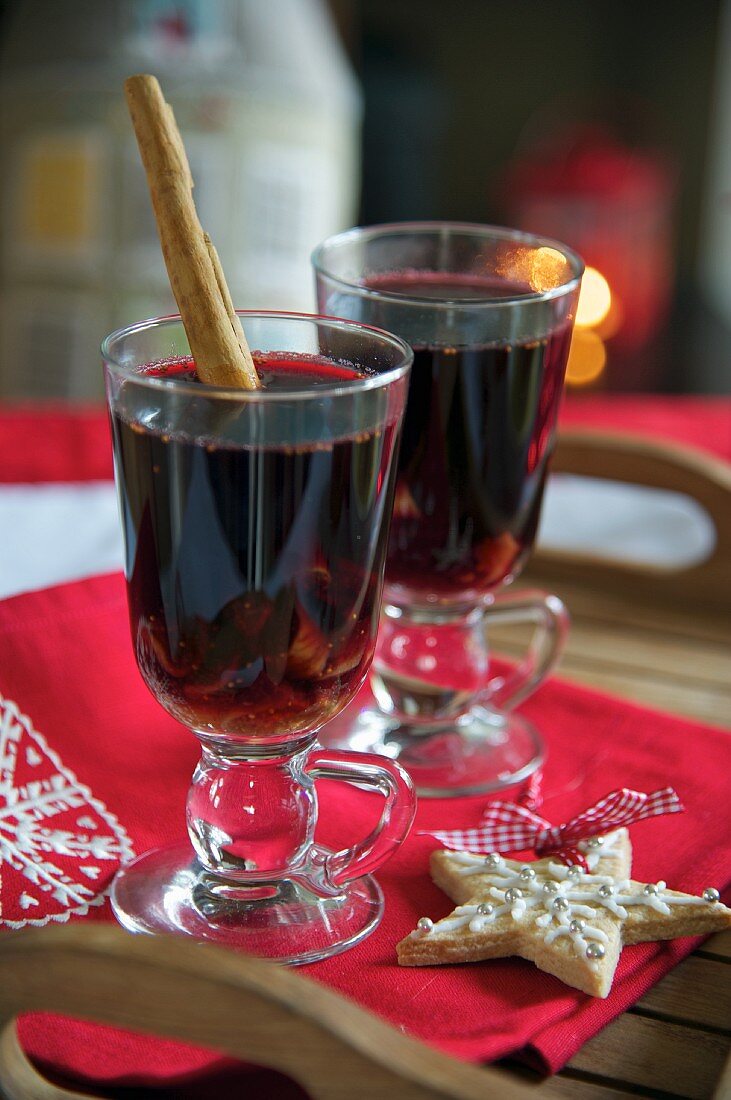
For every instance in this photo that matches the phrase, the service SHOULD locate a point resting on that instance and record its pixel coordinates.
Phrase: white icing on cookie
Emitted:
(562, 900)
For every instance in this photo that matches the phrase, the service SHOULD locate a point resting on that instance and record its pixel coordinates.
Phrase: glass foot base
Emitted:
(483, 751)
(166, 890)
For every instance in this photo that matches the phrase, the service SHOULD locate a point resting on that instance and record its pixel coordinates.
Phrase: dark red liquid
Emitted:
(253, 571)
(478, 434)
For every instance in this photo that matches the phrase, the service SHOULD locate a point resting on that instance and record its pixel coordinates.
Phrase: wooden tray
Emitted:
(658, 638)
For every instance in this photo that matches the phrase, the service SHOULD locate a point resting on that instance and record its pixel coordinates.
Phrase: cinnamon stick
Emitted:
(215, 335)
(226, 298)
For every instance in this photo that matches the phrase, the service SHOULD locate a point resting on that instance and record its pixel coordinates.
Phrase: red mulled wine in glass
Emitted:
(278, 637)
(255, 526)
(489, 314)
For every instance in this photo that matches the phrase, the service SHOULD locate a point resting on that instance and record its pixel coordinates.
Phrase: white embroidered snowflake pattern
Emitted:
(59, 846)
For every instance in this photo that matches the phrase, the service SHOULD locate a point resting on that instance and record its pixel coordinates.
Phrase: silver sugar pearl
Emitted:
(550, 887)
(512, 895)
(605, 891)
(485, 909)
(574, 873)
(493, 860)
(577, 927)
(650, 890)
(527, 874)
(425, 924)
(595, 951)
(560, 905)
(595, 842)
(711, 895)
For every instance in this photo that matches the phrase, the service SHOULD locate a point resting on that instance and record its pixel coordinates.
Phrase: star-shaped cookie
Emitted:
(569, 922)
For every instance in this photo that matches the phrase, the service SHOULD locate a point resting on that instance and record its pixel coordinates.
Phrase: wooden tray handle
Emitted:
(639, 461)
(248, 1008)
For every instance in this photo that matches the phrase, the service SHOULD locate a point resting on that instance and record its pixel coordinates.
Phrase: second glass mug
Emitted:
(489, 313)
(255, 528)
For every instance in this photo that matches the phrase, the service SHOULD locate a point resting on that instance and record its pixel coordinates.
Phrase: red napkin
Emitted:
(700, 422)
(66, 662)
(41, 443)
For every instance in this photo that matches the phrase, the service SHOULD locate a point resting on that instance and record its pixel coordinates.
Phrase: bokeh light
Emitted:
(587, 358)
(548, 269)
(595, 299)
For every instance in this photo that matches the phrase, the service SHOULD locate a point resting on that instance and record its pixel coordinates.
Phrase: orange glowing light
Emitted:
(549, 269)
(541, 269)
(595, 299)
(612, 323)
(587, 358)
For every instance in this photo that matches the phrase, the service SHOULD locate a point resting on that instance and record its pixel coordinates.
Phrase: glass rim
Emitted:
(358, 385)
(476, 229)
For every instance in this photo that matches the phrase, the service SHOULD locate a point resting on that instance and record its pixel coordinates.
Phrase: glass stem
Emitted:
(251, 818)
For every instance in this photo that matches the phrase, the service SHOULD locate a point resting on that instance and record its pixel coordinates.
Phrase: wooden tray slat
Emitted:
(694, 661)
(697, 992)
(568, 1085)
(718, 946)
(605, 609)
(706, 705)
(672, 673)
(654, 1054)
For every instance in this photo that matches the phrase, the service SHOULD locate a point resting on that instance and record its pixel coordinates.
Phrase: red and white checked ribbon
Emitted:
(508, 827)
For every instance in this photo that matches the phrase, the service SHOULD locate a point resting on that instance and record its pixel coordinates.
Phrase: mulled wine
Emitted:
(254, 568)
(478, 434)
(256, 522)
(488, 312)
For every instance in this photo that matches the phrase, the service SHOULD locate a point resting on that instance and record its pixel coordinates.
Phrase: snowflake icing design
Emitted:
(565, 898)
(570, 922)
(59, 846)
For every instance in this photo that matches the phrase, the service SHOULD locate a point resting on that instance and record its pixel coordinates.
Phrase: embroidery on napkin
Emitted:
(59, 845)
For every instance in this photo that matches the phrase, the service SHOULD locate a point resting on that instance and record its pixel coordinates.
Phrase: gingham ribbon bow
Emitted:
(507, 827)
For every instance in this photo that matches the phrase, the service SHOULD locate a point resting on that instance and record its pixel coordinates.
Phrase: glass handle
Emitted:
(378, 774)
(551, 625)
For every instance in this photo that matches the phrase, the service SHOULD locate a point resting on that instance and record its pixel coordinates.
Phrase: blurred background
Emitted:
(606, 125)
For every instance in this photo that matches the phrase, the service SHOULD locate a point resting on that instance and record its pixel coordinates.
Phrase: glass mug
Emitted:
(489, 313)
(255, 528)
